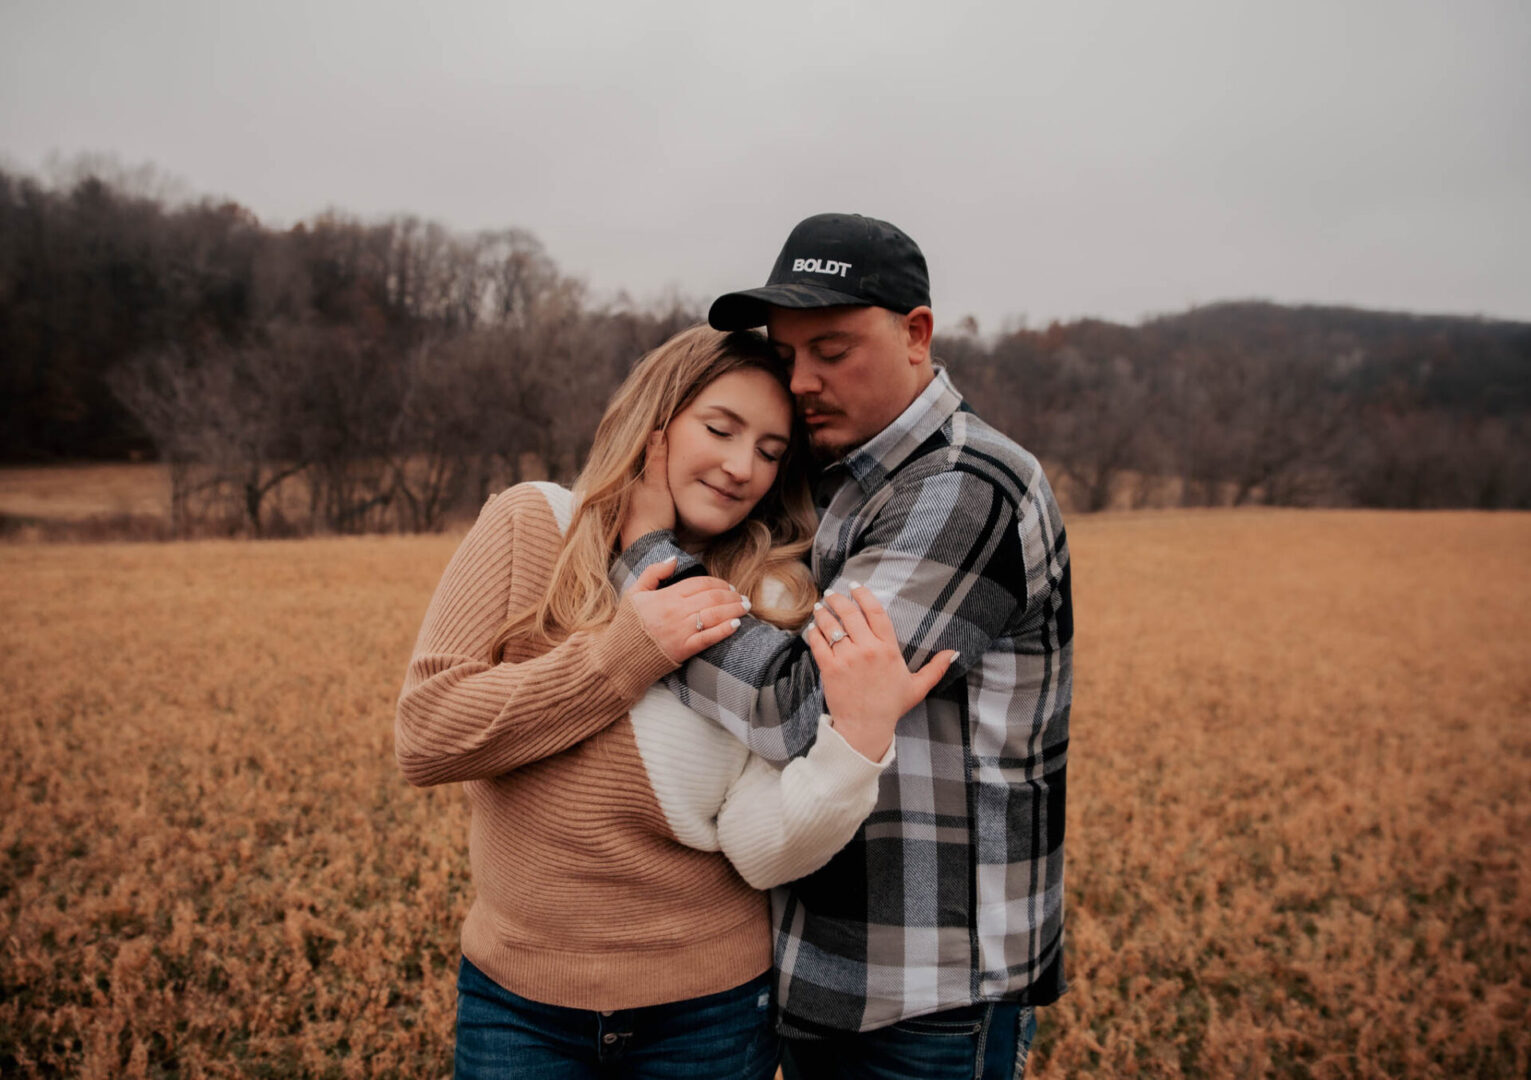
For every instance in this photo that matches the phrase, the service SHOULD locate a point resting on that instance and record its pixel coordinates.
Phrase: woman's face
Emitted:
(724, 451)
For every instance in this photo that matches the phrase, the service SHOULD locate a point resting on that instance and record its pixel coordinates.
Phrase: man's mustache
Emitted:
(809, 403)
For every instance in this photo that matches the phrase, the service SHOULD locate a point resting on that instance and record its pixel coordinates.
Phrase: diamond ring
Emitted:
(699, 625)
(835, 636)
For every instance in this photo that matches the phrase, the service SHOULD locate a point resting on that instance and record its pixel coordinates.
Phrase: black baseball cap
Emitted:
(829, 260)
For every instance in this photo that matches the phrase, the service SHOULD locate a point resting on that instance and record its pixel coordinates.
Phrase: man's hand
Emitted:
(652, 506)
(867, 685)
(689, 616)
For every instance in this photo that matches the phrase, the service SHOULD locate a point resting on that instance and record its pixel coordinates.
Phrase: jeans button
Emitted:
(605, 1012)
(609, 1038)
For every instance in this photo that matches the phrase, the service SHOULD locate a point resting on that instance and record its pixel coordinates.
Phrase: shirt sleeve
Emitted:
(461, 717)
(942, 553)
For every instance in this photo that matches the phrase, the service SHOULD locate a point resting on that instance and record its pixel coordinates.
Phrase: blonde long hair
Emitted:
(770, 543)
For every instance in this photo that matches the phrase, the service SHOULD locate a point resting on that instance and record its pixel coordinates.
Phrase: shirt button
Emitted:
(609, 1038)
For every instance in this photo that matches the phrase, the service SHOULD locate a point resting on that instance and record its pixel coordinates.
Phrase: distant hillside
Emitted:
(1251, 401)
(1474, 365)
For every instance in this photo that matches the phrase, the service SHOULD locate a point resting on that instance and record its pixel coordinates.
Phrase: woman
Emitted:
(618, 841)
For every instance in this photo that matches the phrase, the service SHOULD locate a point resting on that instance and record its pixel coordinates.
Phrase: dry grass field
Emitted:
(72, 493)
(1300, 798)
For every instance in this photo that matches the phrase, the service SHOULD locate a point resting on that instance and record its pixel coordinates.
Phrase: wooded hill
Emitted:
(401, 369)
(1252, 401)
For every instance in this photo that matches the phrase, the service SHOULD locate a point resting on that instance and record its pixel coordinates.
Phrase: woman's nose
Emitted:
(737, 463)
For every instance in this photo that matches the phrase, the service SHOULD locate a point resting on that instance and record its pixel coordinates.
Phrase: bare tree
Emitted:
(222, 419)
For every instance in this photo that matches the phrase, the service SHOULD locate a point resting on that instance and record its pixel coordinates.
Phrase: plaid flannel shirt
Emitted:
(952, 891)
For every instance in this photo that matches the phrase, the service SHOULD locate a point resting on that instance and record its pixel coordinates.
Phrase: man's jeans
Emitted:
(727, 1036)
(988, 1041)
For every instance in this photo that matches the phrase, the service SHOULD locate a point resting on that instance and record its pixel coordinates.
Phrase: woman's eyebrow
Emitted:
(725, 410)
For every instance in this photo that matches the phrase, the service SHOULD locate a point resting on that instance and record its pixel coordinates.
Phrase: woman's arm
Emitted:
(773, 824)
(461, 717)
(777, 825)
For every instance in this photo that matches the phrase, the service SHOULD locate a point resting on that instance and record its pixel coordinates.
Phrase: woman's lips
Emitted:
(719, 492)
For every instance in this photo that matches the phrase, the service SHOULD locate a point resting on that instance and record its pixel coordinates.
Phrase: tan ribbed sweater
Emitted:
(610, 825)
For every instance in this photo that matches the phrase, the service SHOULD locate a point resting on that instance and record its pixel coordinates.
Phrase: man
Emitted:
(922, 948)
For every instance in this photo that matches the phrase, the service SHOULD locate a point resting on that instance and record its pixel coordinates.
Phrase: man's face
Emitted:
(852, 373)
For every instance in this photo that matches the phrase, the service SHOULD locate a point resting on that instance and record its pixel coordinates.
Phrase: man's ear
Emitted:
(919, 325)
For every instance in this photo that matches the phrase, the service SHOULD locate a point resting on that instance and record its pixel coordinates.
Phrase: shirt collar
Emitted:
(871, 463)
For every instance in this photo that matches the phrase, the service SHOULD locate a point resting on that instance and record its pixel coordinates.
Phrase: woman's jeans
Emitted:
(987, 1041)
(727, 1036)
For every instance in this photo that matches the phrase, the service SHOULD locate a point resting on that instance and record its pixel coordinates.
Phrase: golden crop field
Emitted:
(1300, 798)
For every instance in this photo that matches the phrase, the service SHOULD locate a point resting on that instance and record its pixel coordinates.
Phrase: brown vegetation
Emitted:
(1298, 808)
(1301, 793)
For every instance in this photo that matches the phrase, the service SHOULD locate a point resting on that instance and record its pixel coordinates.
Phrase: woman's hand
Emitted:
(651, 506)
(689, 616)
(867, 685)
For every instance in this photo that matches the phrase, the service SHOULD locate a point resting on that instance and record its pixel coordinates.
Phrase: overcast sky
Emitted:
(1052, 159)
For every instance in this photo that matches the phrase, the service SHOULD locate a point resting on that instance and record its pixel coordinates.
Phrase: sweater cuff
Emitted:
(627, 656)
(843, 759)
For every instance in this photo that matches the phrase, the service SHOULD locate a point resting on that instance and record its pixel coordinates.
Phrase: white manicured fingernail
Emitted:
(734, 623)
(956, 656)
(746, 602)
(855, 584)
(670, 559)
(818, 607)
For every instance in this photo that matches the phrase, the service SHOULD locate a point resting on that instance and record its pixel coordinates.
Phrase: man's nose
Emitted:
(804, 380)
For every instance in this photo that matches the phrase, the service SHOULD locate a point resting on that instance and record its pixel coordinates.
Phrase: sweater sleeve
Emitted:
(779, 824)
(774, 824)
(461, 717)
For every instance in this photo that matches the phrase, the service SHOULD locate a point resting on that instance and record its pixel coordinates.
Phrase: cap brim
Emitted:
(748, 309)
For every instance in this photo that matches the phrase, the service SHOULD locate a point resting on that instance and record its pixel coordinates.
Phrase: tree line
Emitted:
(1241, 403)
(346, 376)
(338, 376)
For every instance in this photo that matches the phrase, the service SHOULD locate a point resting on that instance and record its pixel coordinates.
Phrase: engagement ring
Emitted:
(699, 625)
(835, 636)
